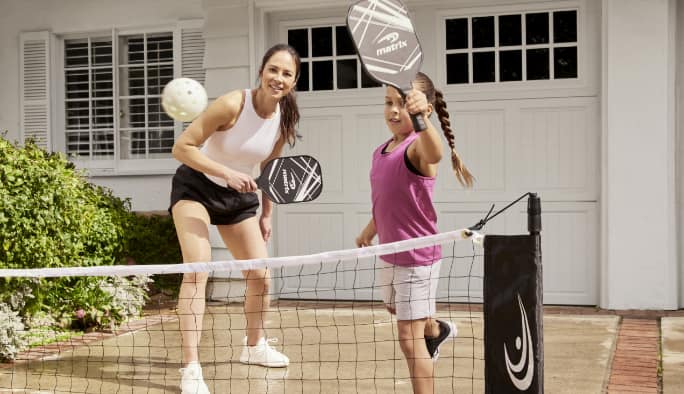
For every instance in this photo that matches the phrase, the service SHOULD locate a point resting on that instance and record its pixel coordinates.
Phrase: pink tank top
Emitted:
(402, 205)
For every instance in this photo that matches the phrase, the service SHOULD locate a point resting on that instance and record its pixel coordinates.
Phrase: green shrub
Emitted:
(50, 216)
(153, 240)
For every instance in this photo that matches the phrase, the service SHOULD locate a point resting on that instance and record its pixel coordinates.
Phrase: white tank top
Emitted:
(249, 142)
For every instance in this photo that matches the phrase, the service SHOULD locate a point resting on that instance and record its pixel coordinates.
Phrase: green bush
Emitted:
(50, 216)
(153, 240)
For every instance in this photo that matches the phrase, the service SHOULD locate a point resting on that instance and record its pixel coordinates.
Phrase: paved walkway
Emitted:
(673, 354)
(586, 351)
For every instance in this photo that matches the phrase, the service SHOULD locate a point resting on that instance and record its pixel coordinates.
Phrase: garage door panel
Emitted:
(480, 142)
(322, 138)
(554, 149)
(367, 131)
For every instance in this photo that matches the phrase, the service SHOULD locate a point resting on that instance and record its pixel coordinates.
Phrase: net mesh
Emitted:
(325, 315)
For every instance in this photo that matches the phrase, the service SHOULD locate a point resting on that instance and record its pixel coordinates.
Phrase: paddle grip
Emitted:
(418, 122)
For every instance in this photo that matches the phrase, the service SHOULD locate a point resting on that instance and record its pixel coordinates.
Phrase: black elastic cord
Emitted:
(478, 226)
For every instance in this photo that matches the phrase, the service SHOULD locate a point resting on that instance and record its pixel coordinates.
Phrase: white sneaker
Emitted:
(192, 381)
(263, 354)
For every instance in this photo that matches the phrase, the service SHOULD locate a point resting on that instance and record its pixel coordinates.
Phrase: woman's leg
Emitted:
(244, 240)
(192, 220)
(421, 367)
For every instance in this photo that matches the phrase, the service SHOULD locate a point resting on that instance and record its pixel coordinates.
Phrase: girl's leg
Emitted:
(191, 220)
(244, 240)
(421, 367)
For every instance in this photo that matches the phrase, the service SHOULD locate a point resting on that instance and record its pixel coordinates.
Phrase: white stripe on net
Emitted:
(233, 265)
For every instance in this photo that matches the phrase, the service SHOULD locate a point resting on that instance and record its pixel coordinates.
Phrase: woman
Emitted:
(214, 185)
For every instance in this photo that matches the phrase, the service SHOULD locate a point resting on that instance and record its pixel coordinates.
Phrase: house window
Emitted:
(511, 47)
(112, 96)
(329, 60)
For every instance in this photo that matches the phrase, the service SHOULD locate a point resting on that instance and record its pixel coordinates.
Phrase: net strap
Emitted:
(242, 265)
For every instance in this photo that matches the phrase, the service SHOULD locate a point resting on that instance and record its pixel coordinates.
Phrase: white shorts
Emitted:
(411, 291)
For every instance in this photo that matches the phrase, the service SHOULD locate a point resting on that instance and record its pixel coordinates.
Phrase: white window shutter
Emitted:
(34, 80)
(192, 50)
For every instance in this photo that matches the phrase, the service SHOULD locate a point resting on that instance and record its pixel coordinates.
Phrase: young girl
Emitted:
(402, 181)
(237, 132)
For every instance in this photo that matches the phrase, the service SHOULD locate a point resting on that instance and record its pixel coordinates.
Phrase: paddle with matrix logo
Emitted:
(290, 179)
(387, 44)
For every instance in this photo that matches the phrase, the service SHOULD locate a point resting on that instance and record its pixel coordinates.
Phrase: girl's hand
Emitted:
(416, 102)
(239, 181)
(265, 225)
(365, 238)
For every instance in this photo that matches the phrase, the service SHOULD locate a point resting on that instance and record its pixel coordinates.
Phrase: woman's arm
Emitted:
(220, 115)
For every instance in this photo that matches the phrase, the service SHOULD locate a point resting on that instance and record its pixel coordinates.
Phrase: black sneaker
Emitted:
(447, 330)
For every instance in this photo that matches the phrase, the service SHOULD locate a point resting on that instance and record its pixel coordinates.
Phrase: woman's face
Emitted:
(397, 118)
(278, 75)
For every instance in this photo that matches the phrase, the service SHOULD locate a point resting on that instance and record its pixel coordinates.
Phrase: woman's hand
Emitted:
(265, 225)
(239, 181)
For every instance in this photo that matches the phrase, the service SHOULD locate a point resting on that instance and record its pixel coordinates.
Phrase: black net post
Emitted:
(513, 309)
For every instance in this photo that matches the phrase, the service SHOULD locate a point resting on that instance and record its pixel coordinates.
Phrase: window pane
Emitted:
(537, 28)
(565, 62)
(346, 74)
(537, 64)
(101, 53)
(345, 46)
(510, 30)
(323, 75)
(133, 50)
(303, 81)
(161, 140)
(103, 114)
(457, 68)
(483, 32)
(103, 144)
(156, 116)
(565, 26)
(456, 33)
(321, 41)
(158, 77)
(76, 82)
(483, 67)
(102, 85)
(132, 113)
(78, 143)
(75, 53)
(510, 66)
(159, 48)
(299, 40)
(367, 81)
(132, 81)
(77, 115)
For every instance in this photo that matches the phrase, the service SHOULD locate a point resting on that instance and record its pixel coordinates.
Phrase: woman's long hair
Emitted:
(289, 111)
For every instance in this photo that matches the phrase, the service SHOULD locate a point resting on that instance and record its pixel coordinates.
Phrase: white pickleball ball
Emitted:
(184, 99)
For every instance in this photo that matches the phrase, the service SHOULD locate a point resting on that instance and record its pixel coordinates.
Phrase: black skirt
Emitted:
(225, 205)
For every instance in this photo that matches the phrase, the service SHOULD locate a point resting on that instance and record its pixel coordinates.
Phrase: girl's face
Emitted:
(278, 75)
(397, 118)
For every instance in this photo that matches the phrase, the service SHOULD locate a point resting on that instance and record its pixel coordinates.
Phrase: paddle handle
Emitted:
(418, 122)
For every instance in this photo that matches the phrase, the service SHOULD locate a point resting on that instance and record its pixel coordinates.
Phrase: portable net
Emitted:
(325, 314)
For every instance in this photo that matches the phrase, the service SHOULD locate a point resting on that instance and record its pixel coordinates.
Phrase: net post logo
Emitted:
(526, 356)
(394, 43)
